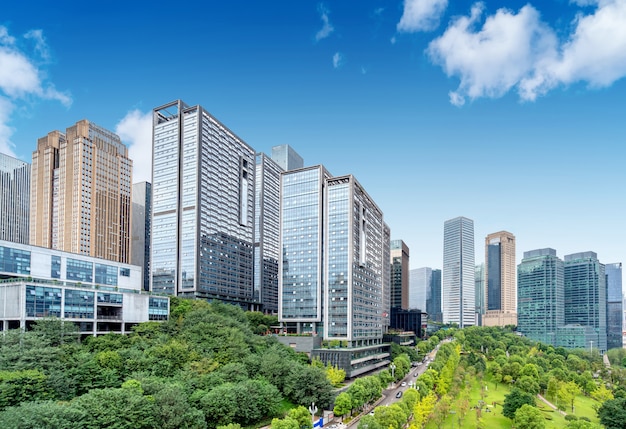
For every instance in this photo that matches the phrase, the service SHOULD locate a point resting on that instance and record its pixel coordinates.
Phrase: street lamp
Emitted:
(393, 373)
(313, 410)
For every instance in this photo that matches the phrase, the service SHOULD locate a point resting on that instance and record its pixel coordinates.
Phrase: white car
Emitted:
(403, 383)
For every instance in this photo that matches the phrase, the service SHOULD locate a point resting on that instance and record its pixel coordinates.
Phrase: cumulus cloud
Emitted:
(327, 27)
(337, 60)
(135, 130)
(421, 15)
(518, 51)
(22, 79)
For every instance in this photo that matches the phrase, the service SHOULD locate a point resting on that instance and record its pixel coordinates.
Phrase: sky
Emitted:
(510, 113)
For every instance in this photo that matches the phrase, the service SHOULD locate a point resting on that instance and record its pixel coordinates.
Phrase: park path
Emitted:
(550, 404)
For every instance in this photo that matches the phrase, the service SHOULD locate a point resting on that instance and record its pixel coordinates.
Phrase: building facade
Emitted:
(400, 275)
(479, 282)
(614, 307)
(458, 294)
(202, 208)
(97, 295)
(14, 199)
(433, 299)
(540, 295)
(419, 287)
(585, 296)
(500, 280)
(141, 229)
(81, 193)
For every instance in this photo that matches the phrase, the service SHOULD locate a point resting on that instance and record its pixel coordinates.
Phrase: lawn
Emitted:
(494, 418)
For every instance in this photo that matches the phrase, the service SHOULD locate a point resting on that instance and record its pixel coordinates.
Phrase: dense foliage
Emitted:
(206, 367)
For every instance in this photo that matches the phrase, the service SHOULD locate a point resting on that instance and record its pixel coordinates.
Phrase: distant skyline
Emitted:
(507, 113)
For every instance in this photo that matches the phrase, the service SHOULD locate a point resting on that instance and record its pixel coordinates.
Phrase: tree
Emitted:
(514, 400)
(602, 394)
(286, 423)
(307, 384)
(302, 416)
(529, 417)
(343, 404)
(369, 422)
(422, 410)
(528, 384)
(567, 394)
(335, 375)
(612, 413)
(391, 417)
(42, 415)
(21, 386)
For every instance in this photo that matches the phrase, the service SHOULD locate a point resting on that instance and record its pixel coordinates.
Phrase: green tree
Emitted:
(302, 416)
(343, 404)
(514, 400)
(528, 384)
(391, 417)
(529, 417)
(42, 415)
(307, 384)
(369, 422)
(21, 386)
(612, 413)
(286, 423)
(567, 394)
(335, 375)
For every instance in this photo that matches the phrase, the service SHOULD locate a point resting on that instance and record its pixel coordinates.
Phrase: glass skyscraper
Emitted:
(585, 296)
(479, 281)
(14, 199)
(419, 287)
(203, 207)
(433, 299)
(458, 293)
(614, 308)
(400, 278)
(540, 295)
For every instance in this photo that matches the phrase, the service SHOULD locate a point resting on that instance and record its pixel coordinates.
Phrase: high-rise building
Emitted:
(202, 207)
(433, 299)
(614, 308)
(500, 280)
(585, 296)
(140, 229)
(479, 282)
(540, 295)
(419, 287)
(14, 199)
(386, 311)
(81, 193)
(458, 294)
(332, 265)
(266, 223)
(399, 274)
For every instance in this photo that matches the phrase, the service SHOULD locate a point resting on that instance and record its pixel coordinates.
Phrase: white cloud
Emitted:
(519, 51)
(421, 15)
(327, 27)
(135, 130)
(338, 60)
(22, 80)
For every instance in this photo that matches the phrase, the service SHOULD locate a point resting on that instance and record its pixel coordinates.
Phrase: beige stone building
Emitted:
(81, 193)
(500, 280)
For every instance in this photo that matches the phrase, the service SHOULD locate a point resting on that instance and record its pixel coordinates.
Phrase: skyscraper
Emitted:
(267, 223)
(202, 207)
(14, 199)
(479, 282)
(614, 308)
(140, 229)
(81, 193)
(540, 295)
(419, 287)
(585, 296)
(399, 274)
(500, 280)
(458, 294)
(433, 299)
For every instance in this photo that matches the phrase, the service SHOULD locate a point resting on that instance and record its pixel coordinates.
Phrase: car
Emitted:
(399, 394)
(416, 374)
(403, 384)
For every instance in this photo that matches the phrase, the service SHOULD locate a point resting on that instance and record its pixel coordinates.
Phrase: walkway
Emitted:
(550, 404)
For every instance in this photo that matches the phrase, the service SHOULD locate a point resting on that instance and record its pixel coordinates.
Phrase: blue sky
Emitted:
(510, 113)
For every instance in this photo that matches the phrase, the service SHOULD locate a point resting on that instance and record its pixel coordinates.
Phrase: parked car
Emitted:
(399, 394)
(403, 383)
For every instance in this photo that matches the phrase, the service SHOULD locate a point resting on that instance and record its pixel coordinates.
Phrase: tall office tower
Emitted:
(266, 223)
(500, 280)
(140, 229)
(14, 200)
(540, 295)
(287, 158)
(81, 193)
(479, 282)
(585, 296)
(419, 287)
(386, 310)
(202, 207)
(614, 308)
(399, 274)
(433, 299)
(458, 294)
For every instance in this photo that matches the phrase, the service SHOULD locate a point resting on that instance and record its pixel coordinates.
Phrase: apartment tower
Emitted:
(399, 275)
(458, 294)
(14, 200)
(500, 280)
(81, 193)
(202, 207)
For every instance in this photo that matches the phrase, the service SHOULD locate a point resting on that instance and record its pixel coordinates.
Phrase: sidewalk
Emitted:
(550, 404)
